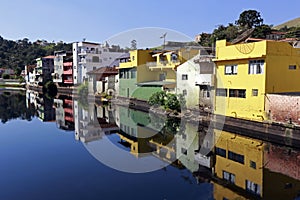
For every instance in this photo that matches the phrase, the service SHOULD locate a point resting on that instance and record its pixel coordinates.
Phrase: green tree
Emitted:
(249, 19)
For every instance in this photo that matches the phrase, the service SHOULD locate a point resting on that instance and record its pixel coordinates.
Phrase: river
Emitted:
(62, 148)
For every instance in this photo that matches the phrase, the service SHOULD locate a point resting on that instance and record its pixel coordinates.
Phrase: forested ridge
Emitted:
(16, 54)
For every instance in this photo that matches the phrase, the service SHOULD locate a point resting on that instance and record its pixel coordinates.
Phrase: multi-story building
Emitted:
(29, 74)
(44, 69)
(63, 68)
(195, 79)
(64, 113)
(89, 56)
(148, 71)
(248, 72)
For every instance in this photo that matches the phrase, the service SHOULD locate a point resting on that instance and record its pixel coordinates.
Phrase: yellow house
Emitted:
(246, 72)
(239, 162)
(148, 71)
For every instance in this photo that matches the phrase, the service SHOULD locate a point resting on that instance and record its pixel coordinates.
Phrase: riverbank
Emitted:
(11, 83)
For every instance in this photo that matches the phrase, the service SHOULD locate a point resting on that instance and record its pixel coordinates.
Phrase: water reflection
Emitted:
(238, 167)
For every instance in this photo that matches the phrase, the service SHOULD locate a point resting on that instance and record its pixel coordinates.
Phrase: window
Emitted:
(252, 164)
(230, 69)
(184, 151)
(133, 73)
(122, 73)
(221, 152)
(237, 93)
(252, 187)
(229, 177)
(132, 58)
(236, 157)
(256, 66)
(184, 92)
(222, 92)
(95, 59)
(255, 92)
(292, 67)
(184, 77)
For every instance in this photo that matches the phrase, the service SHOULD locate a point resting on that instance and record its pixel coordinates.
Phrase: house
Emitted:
(88, 56)
(102, 80)
(43, 70)
(195, 79)
(29, 74)
(248, 72)
(150, 71)
(63, 68)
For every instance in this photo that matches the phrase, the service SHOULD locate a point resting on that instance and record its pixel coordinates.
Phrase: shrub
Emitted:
(5, 76)
(158, 99)
(172, 102)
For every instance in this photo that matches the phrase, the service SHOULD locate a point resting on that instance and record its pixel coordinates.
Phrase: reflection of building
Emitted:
(43, 106)
(239, 161)
(92, 123)
(64, 113)
(247, 168)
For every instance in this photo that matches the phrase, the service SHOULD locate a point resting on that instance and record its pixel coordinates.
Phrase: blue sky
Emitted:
(98, 20)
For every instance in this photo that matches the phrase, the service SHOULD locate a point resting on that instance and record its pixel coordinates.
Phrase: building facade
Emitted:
(89, 56)
(63, 68)
(247, 72)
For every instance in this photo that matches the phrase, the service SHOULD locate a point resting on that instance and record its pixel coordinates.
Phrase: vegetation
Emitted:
(168, 101)
(289, 24)
(247, 19)
(16, 54)
(13, 106)
(50, 89)
(83, 96)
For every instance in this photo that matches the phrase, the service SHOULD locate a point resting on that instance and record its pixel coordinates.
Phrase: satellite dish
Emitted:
(243, 36)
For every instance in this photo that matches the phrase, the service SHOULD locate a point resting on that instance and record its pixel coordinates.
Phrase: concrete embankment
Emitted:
(278, 133)
(11, 83)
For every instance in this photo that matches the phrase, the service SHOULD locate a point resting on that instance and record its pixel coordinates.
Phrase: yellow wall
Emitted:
(221, 192)
(276, 78)
(251, 149)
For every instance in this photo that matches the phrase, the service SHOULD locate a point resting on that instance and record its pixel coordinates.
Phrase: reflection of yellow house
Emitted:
(138, 146)
(247, 72)
(239, 162)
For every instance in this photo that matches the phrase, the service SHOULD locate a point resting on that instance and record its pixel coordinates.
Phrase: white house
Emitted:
(88, 56)
(195, 81)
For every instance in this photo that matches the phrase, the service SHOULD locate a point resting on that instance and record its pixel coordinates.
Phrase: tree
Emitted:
(249, 19)
(133, 44)
(262, 31)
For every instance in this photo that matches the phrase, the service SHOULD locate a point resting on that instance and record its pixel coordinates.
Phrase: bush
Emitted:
(50, 89)
(169, 101)
(157, 99)
(83, 96)
(5, 76)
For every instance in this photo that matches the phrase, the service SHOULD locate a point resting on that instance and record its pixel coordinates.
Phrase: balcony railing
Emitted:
(68, 81)
(68, 72)
(68, 64)
(83, 52)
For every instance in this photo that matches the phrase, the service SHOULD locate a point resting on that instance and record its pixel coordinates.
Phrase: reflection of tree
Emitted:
(13, 106)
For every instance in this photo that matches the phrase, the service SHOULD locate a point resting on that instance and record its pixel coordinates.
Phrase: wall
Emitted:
(283, 108)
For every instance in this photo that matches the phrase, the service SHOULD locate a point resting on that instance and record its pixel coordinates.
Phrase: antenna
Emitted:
(164, 36)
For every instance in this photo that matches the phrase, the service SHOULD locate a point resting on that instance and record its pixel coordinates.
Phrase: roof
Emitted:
(104, 71)
(49, 57)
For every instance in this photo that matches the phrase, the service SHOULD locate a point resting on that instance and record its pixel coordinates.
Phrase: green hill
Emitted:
(290, 23)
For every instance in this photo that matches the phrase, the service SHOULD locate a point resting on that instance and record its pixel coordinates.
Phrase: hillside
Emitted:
(16, 54)
(288, 24)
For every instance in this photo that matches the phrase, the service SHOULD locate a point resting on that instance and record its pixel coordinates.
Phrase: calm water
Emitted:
(64, 149)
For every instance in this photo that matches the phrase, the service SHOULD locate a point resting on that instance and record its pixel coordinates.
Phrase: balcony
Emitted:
(84, 52)
(68, 72)
(70, 119)
(68, 101)
(68, 64)
(68, 81)
(162, 65)
(68, 110)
